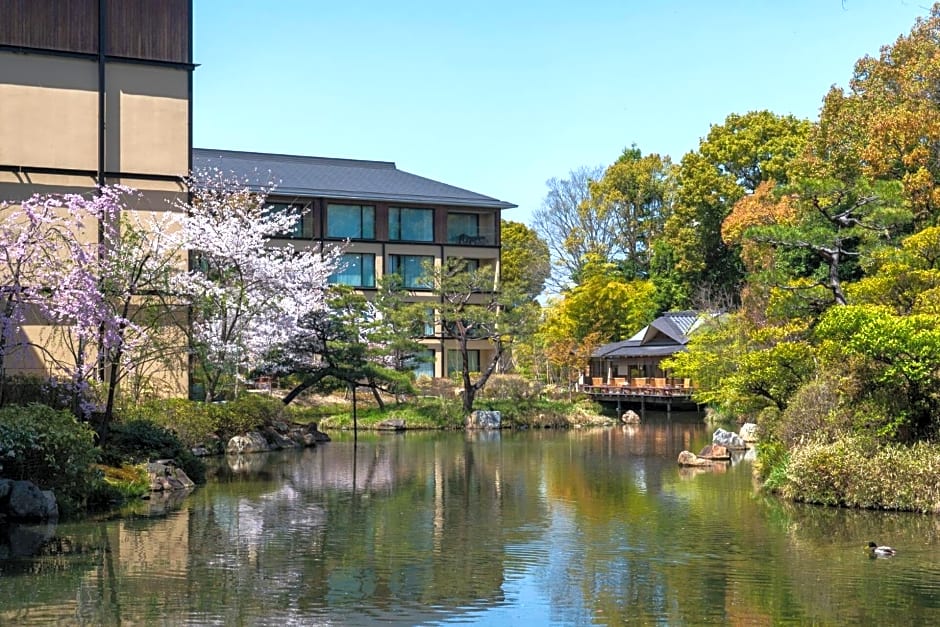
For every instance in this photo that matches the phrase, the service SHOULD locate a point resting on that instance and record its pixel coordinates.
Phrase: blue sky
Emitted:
(498, 97)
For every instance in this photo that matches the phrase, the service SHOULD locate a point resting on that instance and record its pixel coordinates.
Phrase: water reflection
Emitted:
(579, 527)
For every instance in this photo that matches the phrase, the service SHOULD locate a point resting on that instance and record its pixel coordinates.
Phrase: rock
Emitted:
(749, 432)
(728, 439)
(715, 452)
(630, 417)
(28, 502)
(392, 424)
(482, 419)
(279, 440)
(5, 486)
(165, 476)
(252, 442)
(687, 458)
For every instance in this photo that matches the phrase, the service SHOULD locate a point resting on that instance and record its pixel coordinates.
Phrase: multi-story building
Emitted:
(94, 92)
(394, 222)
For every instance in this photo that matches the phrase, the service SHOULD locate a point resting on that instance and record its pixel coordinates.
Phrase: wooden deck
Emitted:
(656, 392)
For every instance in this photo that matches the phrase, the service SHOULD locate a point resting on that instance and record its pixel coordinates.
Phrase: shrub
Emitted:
(50, 448)
(193, 423)
(139, 441)
(852, 473)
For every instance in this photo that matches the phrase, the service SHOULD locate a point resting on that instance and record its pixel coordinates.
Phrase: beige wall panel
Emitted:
(470, 252)
(48, 112)
(147, 111)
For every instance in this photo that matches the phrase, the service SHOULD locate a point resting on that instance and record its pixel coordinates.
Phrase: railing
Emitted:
(481, 238)
(648, 387)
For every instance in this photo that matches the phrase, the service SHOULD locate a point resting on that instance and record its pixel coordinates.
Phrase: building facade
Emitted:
(97, 92)
(389, 221)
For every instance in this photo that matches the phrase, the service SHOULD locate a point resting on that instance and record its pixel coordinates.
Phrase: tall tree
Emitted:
(472, 312)
(886, 125)
(525, 262)
(733, 159)
(247, 295)
(572, 227)
(638, 192)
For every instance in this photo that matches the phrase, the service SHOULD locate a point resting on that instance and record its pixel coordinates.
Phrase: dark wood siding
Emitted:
(69, 25)
(140, 29)
(149, 29)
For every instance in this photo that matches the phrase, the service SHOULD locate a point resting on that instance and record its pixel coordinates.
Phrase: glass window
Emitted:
(350, 221)
(297, 230)
(429, 323)
(463, 228)
(460, 264)
(411, 269)
(355, 269)
(410, 225)
(422, 364)
(455, 361)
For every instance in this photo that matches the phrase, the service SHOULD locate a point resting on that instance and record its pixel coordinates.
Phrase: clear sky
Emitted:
(498, 97)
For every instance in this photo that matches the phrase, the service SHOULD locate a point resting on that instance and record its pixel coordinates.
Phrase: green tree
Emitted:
(605, 302)
(525, 262)
(886, 125)
(472, 312)
(638, 192)
(730, 163)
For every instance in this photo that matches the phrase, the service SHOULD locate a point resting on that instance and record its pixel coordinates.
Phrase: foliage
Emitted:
(731, 162)
(638, 193)
(572, 228)
(887, 124)
(525, 262)
(50, 448)
(121, 483)
(140, 441)
(605, 303)
(247, 295)
(851, 473)
(897, 356)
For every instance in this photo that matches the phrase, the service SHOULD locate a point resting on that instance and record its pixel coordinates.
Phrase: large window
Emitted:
(455, 361)
(422, 364)
(410, 225)
(355, 269)
(297, 229)
(350, 221)
(411, 269)
(464, 228)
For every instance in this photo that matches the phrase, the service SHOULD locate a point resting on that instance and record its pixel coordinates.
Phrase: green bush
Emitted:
(139, 441)
(852, 472)
(194, 423)
(50, 448)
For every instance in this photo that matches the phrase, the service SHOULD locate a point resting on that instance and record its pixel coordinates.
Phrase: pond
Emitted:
(535, 527)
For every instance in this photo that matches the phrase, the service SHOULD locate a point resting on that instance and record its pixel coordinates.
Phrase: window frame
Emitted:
(395, 264)
(362, 212)
(396, 225)
(362, 268)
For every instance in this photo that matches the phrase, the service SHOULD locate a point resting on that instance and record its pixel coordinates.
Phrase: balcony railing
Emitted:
(480, 238)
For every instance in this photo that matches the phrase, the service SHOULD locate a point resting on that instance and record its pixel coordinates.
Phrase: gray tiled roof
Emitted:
(663, 336)
(337, 178)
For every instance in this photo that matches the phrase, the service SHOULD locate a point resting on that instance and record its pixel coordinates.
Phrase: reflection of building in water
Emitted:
(152, 546)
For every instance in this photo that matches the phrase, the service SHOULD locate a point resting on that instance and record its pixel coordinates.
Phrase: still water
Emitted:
(531, 528)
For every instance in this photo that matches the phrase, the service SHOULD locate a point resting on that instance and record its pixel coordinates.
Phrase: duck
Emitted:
(880, 551)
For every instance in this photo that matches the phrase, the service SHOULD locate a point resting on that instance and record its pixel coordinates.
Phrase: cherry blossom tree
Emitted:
(248, 296)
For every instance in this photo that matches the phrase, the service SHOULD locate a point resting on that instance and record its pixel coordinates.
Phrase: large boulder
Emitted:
(26, 501)
(715, 452)
(278, 438)
(688, 458)
(749, 432)
(165, 476)
(252, 442)
(630, 417)
(728, 439)
(485, 420)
